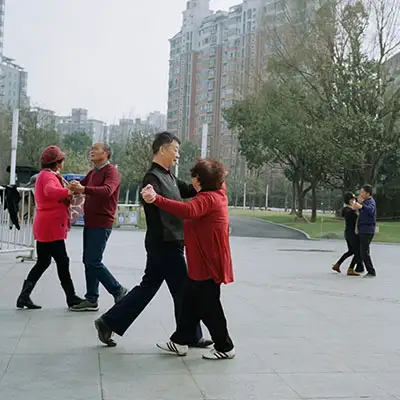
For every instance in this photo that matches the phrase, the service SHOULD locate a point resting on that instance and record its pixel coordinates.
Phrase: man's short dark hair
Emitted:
(368, 189)
(210, 173)
(163, 139)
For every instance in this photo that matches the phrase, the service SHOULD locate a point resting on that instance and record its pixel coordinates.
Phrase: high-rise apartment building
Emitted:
(96, 130)
(157, 120)
(2, 13)
(44, 118)
(212, 62)
(78, 122)
(14, 84)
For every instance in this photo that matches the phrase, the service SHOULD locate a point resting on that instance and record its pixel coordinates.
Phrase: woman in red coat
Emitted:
(206, 229)
(50, 228)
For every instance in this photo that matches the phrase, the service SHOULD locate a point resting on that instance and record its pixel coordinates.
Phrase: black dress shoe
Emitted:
(104, 332)
(202, 344)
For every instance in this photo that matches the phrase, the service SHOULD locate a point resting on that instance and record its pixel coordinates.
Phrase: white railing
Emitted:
(128, 215)
(13, 240)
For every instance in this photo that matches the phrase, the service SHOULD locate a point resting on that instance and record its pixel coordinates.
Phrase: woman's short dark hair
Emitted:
(210, 173)
(52, 165)
(348, 196)
(162, 139)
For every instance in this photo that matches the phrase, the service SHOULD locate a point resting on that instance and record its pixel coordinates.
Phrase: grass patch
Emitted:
(327, 225)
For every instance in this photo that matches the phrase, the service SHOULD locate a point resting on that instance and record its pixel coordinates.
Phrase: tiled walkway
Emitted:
(301, 332)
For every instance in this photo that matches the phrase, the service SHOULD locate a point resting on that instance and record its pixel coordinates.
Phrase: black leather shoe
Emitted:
(104, 332)
(24, 299)
(202, 344)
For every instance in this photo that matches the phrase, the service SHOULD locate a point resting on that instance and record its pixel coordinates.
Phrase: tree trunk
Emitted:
(314, 204)
(368, 178)
(300, 204)
(369, 172)
(293, 212)
(300, 199)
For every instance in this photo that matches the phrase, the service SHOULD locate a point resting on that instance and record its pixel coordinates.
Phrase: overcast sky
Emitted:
(109, 56)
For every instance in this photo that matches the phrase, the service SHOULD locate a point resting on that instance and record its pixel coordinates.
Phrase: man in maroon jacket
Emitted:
(101, 187)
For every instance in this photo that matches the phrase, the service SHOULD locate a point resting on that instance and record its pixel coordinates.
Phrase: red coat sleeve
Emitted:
(196, 208)
(53, 190)
(111, 183)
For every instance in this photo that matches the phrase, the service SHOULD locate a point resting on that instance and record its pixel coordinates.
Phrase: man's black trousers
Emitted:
(365, 243)
(165, 262)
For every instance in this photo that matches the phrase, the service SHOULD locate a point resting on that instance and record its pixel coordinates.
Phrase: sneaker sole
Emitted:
(86, 309)
(171, 352)
(218, 359)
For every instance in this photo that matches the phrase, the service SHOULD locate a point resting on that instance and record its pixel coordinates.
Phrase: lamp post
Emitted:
(14, 146)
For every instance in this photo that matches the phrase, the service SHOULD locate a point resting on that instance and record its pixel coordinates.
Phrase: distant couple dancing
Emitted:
(360, 221)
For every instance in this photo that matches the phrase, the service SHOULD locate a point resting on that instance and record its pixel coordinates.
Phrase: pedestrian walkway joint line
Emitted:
(100, 377)
(203, 395)
(16, 346)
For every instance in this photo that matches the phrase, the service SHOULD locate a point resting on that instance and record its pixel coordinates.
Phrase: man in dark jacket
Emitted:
(366, 226)
(164, 246)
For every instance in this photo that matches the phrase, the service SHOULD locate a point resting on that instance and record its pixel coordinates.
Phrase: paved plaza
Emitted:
(301, 332)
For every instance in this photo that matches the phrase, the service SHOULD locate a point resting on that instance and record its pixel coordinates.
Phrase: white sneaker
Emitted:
(173, 348)
(219, 355)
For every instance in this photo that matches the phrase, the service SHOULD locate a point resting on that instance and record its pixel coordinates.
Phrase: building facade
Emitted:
(2, 15)
(214, 60)
(78, 121)
(97, 130)
(14, 86)
(157, 120)
(44, 118)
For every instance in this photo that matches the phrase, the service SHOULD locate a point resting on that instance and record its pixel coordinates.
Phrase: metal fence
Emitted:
(13, 240)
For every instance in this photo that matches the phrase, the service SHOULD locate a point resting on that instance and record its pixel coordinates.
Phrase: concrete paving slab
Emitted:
(247, 363)
(329, 385)
(146, 377)
(4, 361)
(245, 386)
(50, 377)
(12, 327)
(300, 331)
(388, 381)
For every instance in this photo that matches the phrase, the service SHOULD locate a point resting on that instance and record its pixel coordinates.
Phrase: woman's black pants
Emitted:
(201, 301)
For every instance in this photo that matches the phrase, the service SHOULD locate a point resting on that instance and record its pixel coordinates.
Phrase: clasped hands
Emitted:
(357, 205)
(149, 194)
(75, 187)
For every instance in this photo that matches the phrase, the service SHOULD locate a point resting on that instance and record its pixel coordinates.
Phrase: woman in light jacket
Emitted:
(50, 228)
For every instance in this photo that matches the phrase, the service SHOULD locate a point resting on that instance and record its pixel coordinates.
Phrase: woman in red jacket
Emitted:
(206, 229)
(50, 228)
